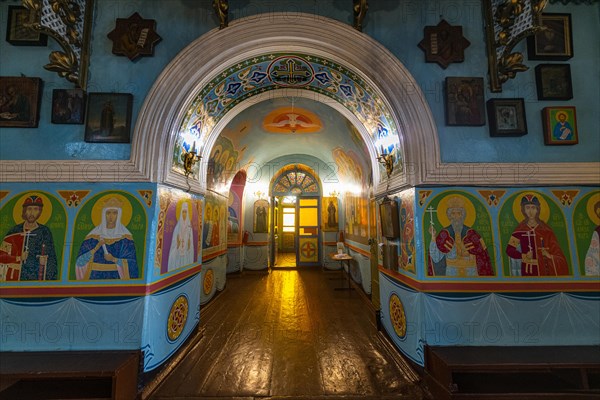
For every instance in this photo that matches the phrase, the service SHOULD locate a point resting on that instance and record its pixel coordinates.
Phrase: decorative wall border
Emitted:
(489, 286)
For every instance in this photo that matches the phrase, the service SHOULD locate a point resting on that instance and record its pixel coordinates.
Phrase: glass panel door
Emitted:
(308, 250)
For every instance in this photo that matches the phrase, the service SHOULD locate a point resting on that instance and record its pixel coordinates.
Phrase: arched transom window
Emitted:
(295, 182)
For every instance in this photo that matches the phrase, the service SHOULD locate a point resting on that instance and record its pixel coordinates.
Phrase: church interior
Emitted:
(300, 199)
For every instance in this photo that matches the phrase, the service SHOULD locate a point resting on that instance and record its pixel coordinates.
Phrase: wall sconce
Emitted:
(334, 193)
(387, 160)
(190, 158)
(259, 194)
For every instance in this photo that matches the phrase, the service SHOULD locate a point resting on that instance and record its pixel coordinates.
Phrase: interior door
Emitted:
(308, 249)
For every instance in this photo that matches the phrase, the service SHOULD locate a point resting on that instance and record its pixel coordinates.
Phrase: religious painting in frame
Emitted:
(540, 252)
(555, 42)
(329, 215)
(465, 104)
(108, 117)
(20, 102)
(261, 216)
(34, 225)
(17, 31)
(507, 117)
(68, 106)
(560, 125)
(553, 82)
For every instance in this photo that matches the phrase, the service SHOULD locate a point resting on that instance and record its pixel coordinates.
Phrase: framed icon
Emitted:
(18, 33)
(560, 125)
(553, 82)
(108, 117)
(465, 104)
(20, 102)
(68, 106)
(554, 42)
(507, 117)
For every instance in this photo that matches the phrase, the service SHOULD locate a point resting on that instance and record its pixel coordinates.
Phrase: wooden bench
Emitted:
(462, 372)
(83, 374)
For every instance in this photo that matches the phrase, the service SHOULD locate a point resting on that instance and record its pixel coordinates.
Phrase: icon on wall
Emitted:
(134, 37)
(17, 31)
(20, 101)
(68, 106)
(444, 44)
(465, 101)
(560, 125)
(507, 117)
(108, 118)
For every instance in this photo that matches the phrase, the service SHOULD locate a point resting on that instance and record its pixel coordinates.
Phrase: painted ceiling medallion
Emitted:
(134, 37)
(444, 44)
(290, 71)
(289, 120)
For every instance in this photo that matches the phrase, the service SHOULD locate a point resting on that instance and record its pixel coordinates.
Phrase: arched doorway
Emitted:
(296, 216)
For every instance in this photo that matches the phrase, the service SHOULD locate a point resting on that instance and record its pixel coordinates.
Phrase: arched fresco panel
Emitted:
(458, 237)
(33, 253)
(274, 71)
(586, 227)
(109, 238)
(533, 236)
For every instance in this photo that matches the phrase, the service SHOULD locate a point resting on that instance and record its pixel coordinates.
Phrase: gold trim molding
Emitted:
(69, 23)
(507, 22)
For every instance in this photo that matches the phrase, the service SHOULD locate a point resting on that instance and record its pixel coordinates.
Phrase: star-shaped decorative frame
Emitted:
(134, 37)
(444, 44)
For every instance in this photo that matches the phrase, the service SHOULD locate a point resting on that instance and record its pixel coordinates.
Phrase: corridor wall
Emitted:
(76, 283)
(496, 292)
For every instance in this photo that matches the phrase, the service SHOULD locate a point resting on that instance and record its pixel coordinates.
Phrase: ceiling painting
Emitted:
(290, 120)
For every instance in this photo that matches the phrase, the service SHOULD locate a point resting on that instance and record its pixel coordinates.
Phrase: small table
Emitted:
(341, 258)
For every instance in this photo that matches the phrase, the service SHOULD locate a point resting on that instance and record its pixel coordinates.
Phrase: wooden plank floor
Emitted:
(288, 334)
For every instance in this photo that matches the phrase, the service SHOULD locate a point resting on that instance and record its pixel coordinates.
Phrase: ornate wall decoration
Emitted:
(134, 37)
(177, 318)
(359, 8)
(397, 316)
(222, 10)
(208, 282)
(444, 44)
(73, 197)
(69, 23)
(507, 23)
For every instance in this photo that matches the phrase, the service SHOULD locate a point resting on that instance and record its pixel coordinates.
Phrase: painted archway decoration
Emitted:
(275, 71)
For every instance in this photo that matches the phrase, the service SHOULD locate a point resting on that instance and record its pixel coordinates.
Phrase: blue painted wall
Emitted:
(397, 25)
(502, 309)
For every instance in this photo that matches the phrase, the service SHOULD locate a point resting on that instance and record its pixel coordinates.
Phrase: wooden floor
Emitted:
(288, 334)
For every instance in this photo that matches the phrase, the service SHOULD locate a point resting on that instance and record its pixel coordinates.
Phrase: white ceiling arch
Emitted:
(190, 73)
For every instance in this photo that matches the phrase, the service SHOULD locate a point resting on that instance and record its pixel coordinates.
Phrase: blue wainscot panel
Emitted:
(71, 324)
(401, 316)
(171, 317)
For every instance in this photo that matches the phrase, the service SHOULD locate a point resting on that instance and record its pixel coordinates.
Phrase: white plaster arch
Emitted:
(171, 95)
